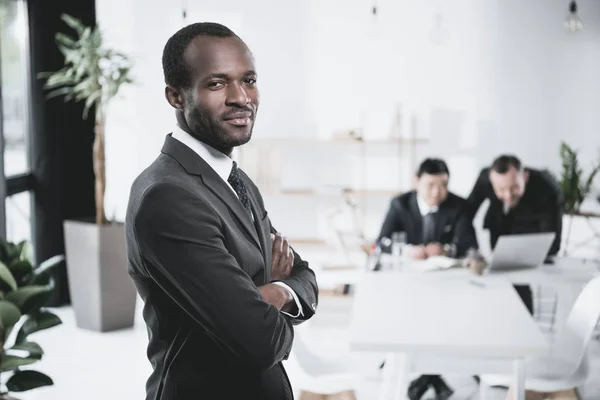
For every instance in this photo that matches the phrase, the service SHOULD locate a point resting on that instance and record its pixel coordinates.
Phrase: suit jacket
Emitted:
(539, 210)
(196, 258)
(452, 225)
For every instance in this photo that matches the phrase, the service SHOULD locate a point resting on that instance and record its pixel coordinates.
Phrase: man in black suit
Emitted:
(436, 223)
(434, 220)
(522, 200)
(222, 289)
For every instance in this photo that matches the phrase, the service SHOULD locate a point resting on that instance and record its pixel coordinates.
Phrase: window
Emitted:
(18, 217)
(15, 88)
(16, 181)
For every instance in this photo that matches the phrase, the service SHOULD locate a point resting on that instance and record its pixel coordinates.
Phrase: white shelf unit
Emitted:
(304, 179)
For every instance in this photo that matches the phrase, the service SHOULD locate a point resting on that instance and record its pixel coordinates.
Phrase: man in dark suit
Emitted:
(436, 223)
(222, 289)
(522, 200)
(434, 220)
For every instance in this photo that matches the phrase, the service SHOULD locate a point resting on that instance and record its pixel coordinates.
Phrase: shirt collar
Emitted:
(218, 161)
(424, 208)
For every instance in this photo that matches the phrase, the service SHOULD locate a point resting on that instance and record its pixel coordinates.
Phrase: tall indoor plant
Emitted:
(574, 184)
(92, 74)
(25, 289)
(102, 294)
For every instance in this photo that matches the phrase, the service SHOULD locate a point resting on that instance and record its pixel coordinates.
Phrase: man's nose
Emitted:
(237, 95)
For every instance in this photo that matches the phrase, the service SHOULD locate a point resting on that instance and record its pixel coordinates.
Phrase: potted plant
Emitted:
(574, 185)
(102, 294)
(24, 289)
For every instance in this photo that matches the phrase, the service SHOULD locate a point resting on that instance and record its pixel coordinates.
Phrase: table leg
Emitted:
(395, 377)
(519, 379)
(403, 377)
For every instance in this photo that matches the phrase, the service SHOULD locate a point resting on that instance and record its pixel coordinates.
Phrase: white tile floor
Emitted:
(93, 366)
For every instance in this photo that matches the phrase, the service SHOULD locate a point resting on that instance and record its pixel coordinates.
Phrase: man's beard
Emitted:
(213, 131)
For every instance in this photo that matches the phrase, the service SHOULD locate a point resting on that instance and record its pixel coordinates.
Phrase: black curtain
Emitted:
(61, 141)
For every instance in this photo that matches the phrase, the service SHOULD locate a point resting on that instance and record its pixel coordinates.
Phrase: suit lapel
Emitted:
(195, 165)
(441, 220)
(263, 228)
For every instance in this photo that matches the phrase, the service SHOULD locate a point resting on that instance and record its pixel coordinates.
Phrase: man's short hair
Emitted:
(433, 166)
(176, 71)
(503, 163)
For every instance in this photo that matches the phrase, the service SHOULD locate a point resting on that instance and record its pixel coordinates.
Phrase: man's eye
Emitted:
(215, 85)
(250, 81)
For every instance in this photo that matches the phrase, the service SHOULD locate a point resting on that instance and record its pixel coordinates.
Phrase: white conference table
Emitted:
(409, 316)
(567, 276)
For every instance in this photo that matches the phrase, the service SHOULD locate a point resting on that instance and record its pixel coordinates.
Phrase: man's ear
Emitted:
(174, 97)
(525, 176)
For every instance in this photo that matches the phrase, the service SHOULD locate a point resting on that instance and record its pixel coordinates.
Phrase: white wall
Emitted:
(504, 77)
(140, 119)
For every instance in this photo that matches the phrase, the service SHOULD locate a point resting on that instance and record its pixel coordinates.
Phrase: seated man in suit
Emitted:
(436, 223)
(434, 220)
(522, 200)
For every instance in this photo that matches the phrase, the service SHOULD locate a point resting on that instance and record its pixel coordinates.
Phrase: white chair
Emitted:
(315, 376)
(566, 366)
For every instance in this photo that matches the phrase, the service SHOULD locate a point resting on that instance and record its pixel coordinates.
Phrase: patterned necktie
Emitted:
(429, 228)
(236, 182)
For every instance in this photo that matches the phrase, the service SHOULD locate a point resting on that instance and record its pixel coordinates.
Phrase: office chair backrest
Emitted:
(310, 362)
(572, 341)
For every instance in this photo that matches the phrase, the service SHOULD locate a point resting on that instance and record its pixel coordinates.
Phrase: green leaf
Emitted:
(3, 249)
(42, 274)
(37, 322)
(59, 92)
(588, 184)
(65, 40)
(73, 23)
(7, 280)
(10, 362)
(30, 298)
(10, 252)
(9, 314)
(26, 251)
(20, 269)
(22, 381)
(34, 349)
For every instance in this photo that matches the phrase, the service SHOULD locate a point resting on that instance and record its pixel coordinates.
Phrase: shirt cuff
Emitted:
(295, 297)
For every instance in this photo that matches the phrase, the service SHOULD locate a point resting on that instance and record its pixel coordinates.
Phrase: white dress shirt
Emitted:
(222, 165)
(425, 208)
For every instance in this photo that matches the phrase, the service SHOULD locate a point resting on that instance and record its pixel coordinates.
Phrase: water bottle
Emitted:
(398, 244)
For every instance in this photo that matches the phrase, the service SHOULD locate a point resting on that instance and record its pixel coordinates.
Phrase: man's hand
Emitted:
(417, 252)
(434, 249)
(283, 258)
(275, 295)
(475, 262)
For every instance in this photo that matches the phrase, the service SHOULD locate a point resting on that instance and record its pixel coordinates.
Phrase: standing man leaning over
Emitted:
(221, 292)
(522, 200)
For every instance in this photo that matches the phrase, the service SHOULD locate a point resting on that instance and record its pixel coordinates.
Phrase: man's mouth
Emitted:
(239, 119)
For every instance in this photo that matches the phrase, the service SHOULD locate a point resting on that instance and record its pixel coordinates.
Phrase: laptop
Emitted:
(521, 251)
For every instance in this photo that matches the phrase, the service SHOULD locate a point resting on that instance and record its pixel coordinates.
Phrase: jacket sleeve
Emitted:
(464, 236)
(303, 282)
(183, 251)
(478, 194)
(392, 222)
